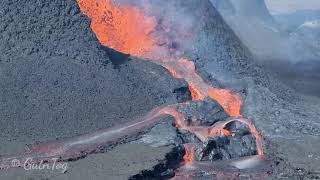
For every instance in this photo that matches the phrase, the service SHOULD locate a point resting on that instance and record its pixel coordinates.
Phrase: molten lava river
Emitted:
(127, 29)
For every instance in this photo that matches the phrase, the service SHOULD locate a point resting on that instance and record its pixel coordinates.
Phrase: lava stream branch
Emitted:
(80, 146)
(185, 69)
(77, 147)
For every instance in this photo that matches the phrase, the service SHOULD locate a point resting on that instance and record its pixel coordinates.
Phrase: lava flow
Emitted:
(116, 26)
(127, 29)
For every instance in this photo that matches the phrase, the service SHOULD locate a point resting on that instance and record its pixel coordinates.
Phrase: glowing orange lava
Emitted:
(230, 102)
(123, 28)
(189, 153)
(183, 68)
(127, 29)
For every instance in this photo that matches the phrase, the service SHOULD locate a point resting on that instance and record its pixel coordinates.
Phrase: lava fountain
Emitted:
(127, 29)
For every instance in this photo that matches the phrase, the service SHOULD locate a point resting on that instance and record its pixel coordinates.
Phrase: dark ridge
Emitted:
(206, 112)
(183, 94)
(117, 58)
(163, 170)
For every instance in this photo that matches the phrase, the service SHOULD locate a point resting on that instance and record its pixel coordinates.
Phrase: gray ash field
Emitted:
(57, 81)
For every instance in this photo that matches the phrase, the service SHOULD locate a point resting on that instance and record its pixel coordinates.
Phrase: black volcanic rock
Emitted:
(204, 113)
(183, 94)
(165, 169)
(188, 137)
(237, 129)
(162, 134)
(223, 148)
(239, 143)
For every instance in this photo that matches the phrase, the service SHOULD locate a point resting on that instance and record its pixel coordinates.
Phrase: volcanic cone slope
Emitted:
(58, 81)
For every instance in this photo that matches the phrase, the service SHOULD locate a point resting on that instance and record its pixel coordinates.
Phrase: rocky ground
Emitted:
(58, 81)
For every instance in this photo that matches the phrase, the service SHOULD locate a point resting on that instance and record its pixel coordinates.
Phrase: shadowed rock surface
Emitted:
(120, 163)
(203, 113)
(163, 134)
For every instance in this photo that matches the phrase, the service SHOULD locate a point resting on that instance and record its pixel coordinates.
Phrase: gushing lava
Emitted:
(116, 26)
(127, 29)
